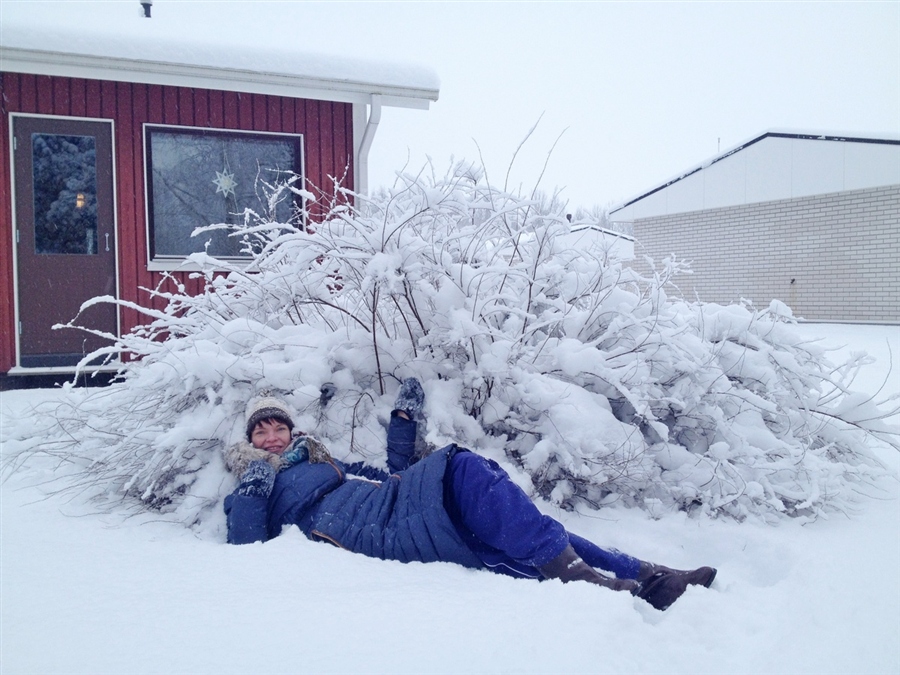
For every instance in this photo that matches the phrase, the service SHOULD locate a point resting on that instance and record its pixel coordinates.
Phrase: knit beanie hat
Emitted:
(267, 407)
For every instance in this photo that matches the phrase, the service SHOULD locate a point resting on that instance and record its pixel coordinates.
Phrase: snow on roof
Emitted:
(116, 43)
(887, 138)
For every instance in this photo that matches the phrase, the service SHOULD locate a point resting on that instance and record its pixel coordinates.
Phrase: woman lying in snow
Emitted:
(451, 506)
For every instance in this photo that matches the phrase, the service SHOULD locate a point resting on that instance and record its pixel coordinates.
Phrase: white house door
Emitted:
(65, 236)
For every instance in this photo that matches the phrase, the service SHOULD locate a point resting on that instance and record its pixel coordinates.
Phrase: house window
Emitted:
(199, 177)
(64, 170)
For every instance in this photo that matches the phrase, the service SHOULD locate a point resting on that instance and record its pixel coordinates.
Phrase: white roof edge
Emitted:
(829, 134)
(42, 62)
(888, 137)
(578, 228)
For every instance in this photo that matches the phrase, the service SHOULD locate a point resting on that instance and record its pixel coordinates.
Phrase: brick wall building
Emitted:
(828, 244)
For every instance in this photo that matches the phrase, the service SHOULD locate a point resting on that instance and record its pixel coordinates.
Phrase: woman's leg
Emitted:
(608, 559)
(498, 521)
(489, 509)
(500, 514)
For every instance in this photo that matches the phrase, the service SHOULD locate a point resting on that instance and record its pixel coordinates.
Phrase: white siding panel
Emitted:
(622, 215)
(724, 183)
(768, 170)
(686, 194)
(652, 205)
(818, 167)
(869, 165)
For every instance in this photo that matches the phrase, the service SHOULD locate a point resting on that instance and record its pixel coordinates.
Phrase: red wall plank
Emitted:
(201, 110)
(126, 190)
(92, 96)
(170, 106)
(288, 113)
(108, 100)
(330, 168)
(78, 93)
(231, 105)
(245, 111)
(273, 114)
(154, 104)
(186, 106)
(44, 89)
(260, 112)
(314, 177)
(348, 145)
(342, 154)
(148, 108)
(62, 100)
(215, 116)
(9, 98)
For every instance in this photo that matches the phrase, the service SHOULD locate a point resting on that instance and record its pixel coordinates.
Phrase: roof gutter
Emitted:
(366, 144)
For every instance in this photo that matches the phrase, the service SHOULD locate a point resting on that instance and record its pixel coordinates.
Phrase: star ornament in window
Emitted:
(225, 183)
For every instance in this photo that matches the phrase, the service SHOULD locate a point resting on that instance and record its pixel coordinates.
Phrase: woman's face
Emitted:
(271, 435)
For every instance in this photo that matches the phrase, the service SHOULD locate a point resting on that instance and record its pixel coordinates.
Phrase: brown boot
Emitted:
(662, 589)
(702, 576)
(568, 566)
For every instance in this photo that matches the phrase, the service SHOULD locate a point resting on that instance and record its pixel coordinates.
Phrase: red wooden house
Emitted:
(111, 153)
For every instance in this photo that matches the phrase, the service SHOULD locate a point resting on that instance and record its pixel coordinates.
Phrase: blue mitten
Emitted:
(258, 480)
(306, 448)
(410, 398)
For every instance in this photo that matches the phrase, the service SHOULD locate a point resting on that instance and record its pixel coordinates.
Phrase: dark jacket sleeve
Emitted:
(401, 443)
(401, 447)
(246, 517)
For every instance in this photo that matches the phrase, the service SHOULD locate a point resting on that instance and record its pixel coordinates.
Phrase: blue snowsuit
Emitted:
(452, 506)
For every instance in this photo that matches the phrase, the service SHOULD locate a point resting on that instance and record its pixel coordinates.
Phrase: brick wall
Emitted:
(833, 257)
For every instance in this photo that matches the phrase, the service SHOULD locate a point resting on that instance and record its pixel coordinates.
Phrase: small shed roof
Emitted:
(776, 164)
(143, 50)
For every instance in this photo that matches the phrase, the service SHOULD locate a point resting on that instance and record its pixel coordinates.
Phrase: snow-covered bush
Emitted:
(566, 364)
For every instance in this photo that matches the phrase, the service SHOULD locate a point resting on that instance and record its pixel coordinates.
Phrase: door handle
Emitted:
(107, 241)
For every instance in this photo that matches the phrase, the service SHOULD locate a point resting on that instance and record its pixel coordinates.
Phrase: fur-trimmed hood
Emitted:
(239, 456)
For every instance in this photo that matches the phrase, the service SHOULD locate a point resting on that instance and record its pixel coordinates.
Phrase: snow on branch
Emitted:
(582, 372)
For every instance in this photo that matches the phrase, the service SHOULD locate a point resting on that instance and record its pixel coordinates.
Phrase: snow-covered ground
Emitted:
(82, 592)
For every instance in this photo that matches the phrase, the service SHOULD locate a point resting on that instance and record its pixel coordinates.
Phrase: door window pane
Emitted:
(200, 177)
(64, 172)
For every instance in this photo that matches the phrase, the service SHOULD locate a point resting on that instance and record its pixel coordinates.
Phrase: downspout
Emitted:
(366, 144)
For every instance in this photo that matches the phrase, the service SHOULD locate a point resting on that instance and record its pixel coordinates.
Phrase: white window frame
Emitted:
(181, 263)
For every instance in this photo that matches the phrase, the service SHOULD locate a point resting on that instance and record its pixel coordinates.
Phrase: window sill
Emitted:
(190, 265)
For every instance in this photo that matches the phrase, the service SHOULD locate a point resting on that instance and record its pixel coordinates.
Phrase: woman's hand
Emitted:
(258, 480)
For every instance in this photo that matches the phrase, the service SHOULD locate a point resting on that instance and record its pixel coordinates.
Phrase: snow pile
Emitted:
(141, 595)
(561, 363)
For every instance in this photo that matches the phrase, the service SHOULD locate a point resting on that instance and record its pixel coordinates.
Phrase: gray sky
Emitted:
(634, 92)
